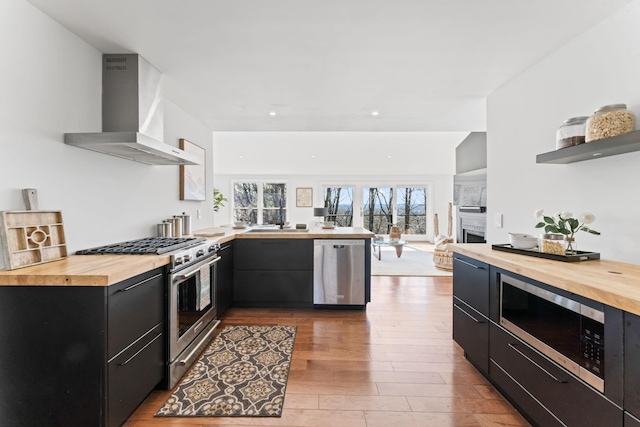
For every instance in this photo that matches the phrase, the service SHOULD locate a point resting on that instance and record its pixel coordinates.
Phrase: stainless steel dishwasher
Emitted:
(338, 272)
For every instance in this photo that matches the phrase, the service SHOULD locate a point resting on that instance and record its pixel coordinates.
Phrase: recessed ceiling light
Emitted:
(241, 156)
(272, 113)
(313, 156)
(389, 156)
(374, 113)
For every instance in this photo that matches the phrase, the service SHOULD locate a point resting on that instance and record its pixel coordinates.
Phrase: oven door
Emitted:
(192, 304)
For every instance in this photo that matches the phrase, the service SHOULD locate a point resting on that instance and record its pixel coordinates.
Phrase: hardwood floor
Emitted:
(394, 365)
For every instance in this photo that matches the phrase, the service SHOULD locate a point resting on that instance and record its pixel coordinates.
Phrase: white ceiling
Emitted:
(326, 65)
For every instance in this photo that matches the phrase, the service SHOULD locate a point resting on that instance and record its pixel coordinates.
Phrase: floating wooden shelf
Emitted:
(627, 143)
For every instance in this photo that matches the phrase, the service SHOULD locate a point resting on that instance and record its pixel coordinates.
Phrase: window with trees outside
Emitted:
(339, 202)
(404, 206)
(377, 209)
(253, 200)
(412, 210)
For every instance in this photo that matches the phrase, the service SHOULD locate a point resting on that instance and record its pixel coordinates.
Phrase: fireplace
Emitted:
(471, 224)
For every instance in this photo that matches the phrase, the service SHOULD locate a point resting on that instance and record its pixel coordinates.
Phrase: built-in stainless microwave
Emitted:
(567, 331)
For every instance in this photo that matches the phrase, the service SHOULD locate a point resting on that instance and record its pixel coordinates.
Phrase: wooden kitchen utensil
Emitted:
(31, 237)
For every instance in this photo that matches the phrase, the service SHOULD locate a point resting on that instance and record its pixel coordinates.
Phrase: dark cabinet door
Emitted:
(134, 373)
(471, 282)
(134, 307)
(273, 254)
(273, 288)
(471, 309)
(224, 281)
(471, 331)
(569, 399)
(632, 364)
(630, 420)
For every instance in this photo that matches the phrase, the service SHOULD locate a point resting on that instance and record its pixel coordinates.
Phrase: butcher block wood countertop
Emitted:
(610, 282)
(107, 270)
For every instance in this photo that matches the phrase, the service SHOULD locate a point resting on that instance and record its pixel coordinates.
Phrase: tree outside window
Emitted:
(339, 202)
(246, 205)
(378, 209)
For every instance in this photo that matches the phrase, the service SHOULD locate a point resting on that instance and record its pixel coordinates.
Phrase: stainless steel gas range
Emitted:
(191, 294)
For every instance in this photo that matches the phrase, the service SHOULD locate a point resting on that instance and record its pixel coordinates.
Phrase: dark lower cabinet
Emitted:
(563, 395)
(471, 332)
(224, 280)
(520, 398)
(79, 355)
(630, 420)
(632, 364)
(471, 309)
(273, 273)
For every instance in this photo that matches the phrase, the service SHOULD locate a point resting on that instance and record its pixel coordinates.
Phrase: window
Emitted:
(264, 200)
(412, 210)
(339, 202)
(378, 209)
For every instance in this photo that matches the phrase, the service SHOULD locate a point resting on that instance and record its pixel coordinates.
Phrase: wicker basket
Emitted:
(442, 256)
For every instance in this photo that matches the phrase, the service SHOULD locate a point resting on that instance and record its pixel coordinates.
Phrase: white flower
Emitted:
(538, 213)
(587, 218)
(567, 215)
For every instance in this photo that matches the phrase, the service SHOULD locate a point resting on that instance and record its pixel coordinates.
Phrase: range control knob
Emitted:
(177, 260)
(187, 258)
(200, 252)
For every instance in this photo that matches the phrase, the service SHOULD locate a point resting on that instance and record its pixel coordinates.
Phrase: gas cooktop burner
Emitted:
(151, 245)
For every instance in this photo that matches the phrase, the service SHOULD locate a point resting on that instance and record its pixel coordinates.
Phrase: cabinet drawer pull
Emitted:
(135, 285)
(141, 350)
(513, 347)
(468, 315)
(470, 265)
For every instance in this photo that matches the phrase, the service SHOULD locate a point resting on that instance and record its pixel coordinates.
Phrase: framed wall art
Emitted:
(304, 197)
(193, 178)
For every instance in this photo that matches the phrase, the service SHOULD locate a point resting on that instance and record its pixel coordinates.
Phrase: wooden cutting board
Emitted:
(31, 237)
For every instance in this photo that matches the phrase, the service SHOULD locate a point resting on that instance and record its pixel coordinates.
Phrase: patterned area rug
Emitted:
(243, 372)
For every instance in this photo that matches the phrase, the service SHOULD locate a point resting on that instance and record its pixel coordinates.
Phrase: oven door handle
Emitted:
(186, 276)
(514, 348)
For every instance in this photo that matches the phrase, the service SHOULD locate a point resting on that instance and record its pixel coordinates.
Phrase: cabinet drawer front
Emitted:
(273, 288)
(568, 398)
(532, 409)
(471, 331)
(471, 282)
(630, 420)
(134, 306)
(133, 374)
(273, 254)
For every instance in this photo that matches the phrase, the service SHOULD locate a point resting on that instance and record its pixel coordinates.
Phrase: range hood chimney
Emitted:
(132, 116)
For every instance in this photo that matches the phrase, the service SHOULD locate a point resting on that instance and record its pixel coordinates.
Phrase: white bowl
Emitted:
(523, 241)
(238, 223)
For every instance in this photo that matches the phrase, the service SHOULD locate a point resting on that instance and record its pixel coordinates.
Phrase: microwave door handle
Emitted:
(513, 347)
(470, 265)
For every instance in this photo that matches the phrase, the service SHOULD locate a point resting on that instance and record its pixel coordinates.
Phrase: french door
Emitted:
(379, 207)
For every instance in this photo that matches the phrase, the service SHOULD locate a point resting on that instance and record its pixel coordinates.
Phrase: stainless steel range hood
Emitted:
(132, 116)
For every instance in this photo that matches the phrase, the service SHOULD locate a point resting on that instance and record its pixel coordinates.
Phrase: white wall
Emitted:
(51, 84)
(600, 67)
(315, 159)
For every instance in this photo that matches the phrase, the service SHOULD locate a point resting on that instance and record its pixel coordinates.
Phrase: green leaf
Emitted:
(573, 223)
(549, 220)
(540, 225)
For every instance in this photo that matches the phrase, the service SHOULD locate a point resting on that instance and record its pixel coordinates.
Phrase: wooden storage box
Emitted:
(31, 237)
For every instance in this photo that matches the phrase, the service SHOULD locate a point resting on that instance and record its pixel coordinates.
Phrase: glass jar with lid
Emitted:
(610, 120)
(552, 244)
(572, 132)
